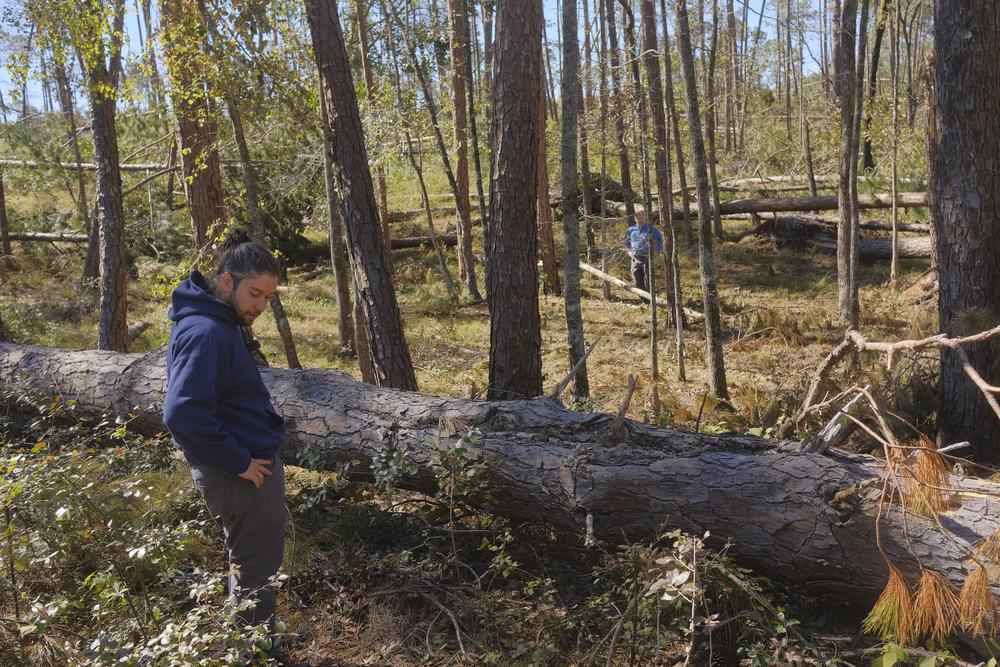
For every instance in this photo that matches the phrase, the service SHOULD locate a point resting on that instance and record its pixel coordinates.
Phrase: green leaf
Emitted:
(929, 661)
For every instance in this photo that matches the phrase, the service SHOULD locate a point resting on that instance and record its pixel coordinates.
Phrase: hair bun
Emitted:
(234, 238)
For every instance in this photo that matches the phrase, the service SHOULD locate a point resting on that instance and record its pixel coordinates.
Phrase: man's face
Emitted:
(249, 296)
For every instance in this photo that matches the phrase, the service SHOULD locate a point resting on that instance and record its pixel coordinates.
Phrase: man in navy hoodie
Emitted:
(219, 413)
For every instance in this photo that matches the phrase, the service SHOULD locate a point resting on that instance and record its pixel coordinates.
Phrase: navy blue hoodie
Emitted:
(217, 408)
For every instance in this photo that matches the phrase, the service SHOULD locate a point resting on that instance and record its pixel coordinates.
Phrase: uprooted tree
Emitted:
(803, 518)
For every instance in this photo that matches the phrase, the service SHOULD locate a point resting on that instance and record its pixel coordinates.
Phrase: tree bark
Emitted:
(964, 140)
(183, 39)
(804, 519)
(572, 104)
(389, 354)
(511, 269)
(706, 258)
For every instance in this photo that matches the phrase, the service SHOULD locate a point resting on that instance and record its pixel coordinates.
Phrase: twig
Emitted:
(616, 425)
(561, 387)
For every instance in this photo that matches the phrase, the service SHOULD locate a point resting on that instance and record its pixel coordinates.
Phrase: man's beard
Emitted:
(240, 316)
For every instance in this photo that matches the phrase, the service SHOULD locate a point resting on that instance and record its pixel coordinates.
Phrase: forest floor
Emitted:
(378, 578)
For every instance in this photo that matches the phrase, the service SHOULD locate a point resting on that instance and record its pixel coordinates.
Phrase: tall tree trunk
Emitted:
(548, 80)
(488, 14)
(361, 17)
(473, 125)
(546, 221)
(632, 54)
(618, 93)
(150, 52)
(894, 75)
(603, 93)
(675, 124)
(183, 38)
(732, 72)
(880, 22)
(339, 260)
(710, 129)
(389, 354)
(102, 82)
(664, 186)
(585, 102)
(844, 75)
(964, 141)
(706, 258)
(789, 68)
(807, 155)
(257, 227)
(459, 67)
(6, 262)
(571, 105)
(511, 272)
(859, 92)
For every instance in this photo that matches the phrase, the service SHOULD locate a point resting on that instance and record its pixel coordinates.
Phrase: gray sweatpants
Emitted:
(253, 521)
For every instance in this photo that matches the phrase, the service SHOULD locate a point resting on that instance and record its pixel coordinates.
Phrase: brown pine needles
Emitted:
(989, 549)
(890, 617)
(928, 493)
(935, 609)
(977, 609)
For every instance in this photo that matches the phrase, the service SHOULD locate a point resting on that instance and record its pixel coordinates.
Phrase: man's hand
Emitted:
(256, 471)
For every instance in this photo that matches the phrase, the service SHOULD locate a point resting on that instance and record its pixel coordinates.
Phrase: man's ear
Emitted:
(226, 282)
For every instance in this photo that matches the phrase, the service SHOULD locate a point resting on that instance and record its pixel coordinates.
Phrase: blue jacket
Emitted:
(217, 408)
(637, 240)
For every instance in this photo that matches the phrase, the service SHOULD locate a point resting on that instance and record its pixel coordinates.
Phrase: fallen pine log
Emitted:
(47, 237)
(400, 216)
(418, 241)
(875, 249)
(798, 230)
(825, 222)
(691, 316)
(785, 204)
(801, 518)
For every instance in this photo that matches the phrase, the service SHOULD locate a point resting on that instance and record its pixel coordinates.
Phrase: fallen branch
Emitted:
(690, 315)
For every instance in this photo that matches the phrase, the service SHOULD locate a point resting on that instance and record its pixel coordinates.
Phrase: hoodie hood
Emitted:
(194, 297)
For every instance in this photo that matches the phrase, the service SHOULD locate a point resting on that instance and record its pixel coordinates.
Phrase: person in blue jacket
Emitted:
(219, 414)
(642, 242)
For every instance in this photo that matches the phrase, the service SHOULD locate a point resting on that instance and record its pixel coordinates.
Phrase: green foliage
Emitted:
(108, 543)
